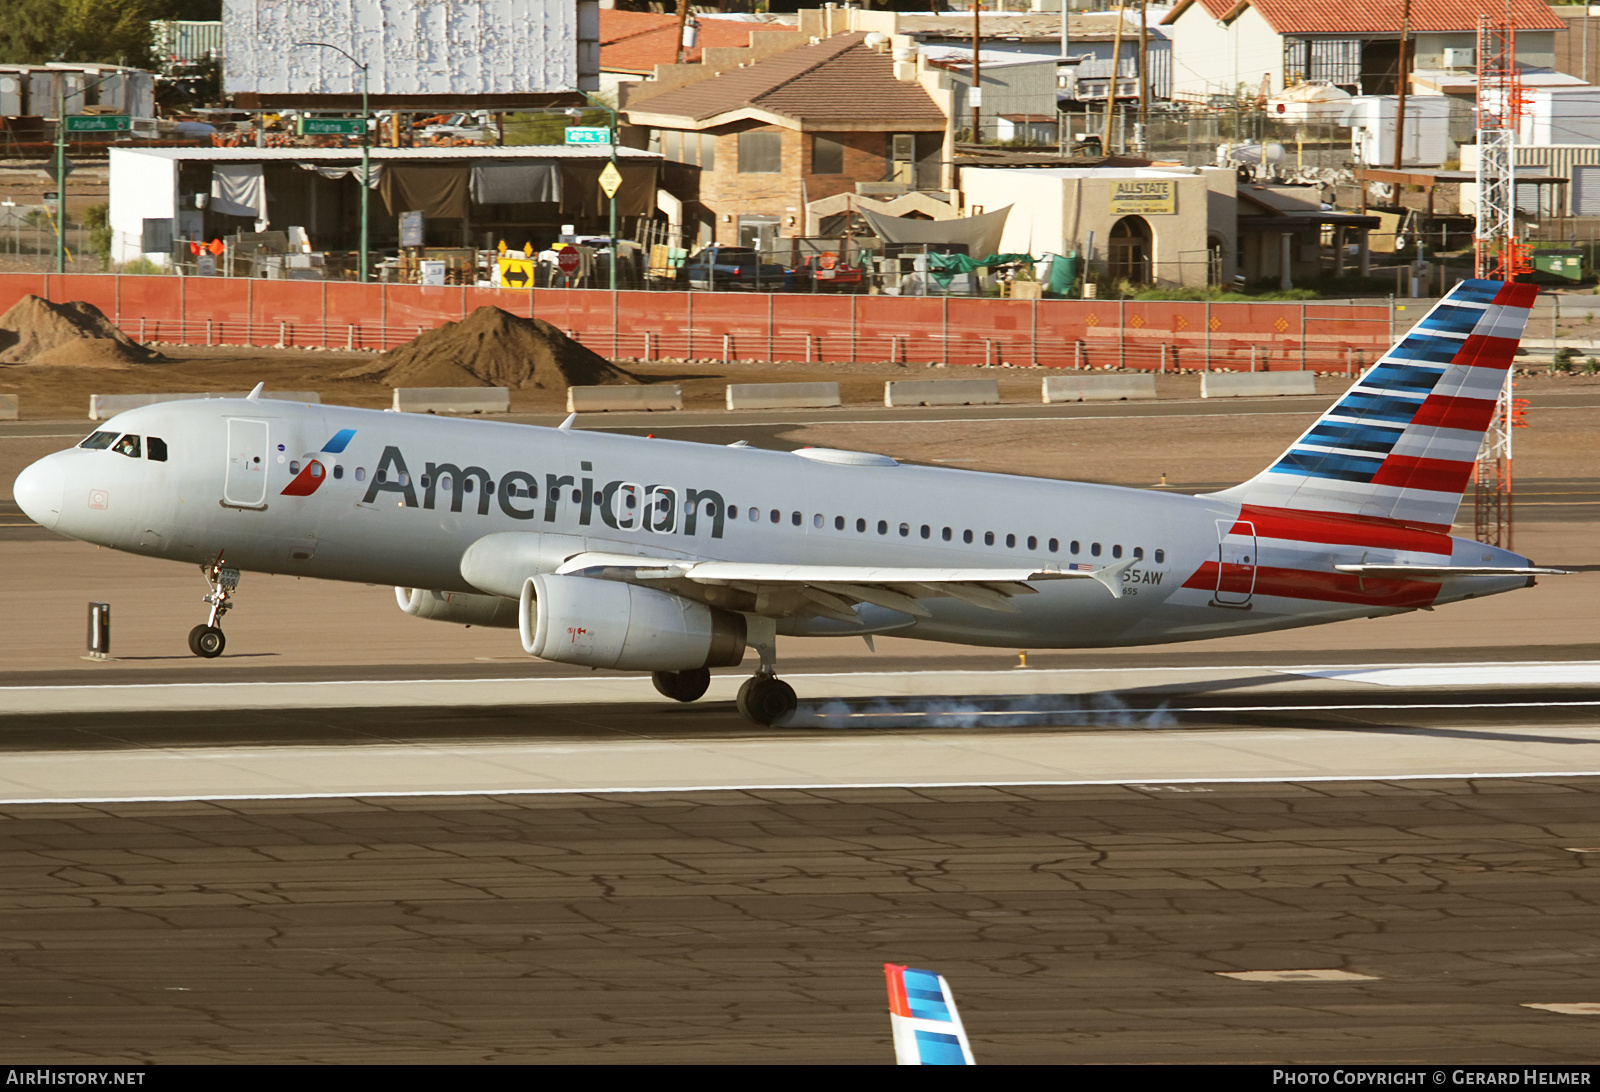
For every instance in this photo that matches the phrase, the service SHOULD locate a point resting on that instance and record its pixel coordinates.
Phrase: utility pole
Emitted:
(1400, 115)
(1144, 75)
(977, 77)
(366, 150)
(1111, 87)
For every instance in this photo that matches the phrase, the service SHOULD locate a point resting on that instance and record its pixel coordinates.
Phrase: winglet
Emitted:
(255, 395)
(566, 426)
(922, 1015)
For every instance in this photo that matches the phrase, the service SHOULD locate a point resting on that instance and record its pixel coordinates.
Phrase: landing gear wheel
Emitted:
(767, 700)
(207, 641)
(682, 685)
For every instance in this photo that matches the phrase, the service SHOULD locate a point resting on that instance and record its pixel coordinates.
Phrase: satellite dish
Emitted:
(875, 40)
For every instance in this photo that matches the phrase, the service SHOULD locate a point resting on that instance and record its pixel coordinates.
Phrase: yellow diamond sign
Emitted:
(610, 180)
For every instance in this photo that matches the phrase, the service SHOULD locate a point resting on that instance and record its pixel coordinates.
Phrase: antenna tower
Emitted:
(1498, 255)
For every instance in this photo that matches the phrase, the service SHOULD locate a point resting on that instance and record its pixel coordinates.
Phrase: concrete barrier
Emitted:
(102, 406)
(1256, 384)
(8, 407)
(941, 392)
(652, 396)
(1097, 388)
(452, 399)
(744, 396)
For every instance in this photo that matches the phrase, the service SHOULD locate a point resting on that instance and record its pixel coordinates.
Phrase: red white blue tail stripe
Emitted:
(1401, 444)
(922, 1014)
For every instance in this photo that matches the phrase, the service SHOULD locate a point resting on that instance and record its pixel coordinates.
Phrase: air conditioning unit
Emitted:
(1459, 57)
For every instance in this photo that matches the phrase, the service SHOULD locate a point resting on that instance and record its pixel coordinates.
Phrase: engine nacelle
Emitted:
(463, 608)
(605, 623)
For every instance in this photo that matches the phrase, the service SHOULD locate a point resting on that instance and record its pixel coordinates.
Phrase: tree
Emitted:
(105, 31)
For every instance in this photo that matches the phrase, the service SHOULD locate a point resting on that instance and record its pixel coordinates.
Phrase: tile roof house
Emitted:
(1221, 46)
(633, 43)
(805, 123)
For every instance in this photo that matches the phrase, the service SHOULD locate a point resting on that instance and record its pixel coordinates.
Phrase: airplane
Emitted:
(643, 554)
(923, 1019)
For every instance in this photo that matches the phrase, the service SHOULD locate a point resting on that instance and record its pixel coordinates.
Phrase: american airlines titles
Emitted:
(622, 505)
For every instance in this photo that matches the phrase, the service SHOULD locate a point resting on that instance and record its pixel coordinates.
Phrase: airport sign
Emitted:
(332, 126)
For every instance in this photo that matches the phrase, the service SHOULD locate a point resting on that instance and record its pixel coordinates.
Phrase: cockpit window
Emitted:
(129, 446)
(99, 441)
(155, 449)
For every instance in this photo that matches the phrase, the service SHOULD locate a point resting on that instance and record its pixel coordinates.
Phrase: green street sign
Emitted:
(580, 134)
(332, 126)
(98, 123)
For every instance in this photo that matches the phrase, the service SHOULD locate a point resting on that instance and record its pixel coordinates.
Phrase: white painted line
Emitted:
(828, 786)
(1502, 674)
(1569, 1008)
(1298, 976)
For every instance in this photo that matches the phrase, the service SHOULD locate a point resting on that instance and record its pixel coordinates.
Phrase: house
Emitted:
(821, 118)
(634, 43)
(1223, 47)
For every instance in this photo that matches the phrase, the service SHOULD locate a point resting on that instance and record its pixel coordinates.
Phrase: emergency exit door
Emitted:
(1236, 563)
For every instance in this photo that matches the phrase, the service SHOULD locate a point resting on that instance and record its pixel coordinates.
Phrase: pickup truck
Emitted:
(725, 267)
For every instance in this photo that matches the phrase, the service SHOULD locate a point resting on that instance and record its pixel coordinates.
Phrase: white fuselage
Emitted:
(404, 496)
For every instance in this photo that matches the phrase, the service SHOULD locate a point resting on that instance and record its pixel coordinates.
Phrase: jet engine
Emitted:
(604, 623)
(463, 608)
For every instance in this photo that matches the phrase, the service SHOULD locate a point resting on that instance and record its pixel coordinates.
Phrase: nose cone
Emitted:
(39, 490)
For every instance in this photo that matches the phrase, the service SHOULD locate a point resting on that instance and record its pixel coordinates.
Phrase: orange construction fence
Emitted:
(1097, 334)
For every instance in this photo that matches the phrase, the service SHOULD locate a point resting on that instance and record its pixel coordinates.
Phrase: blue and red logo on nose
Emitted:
(314, 473)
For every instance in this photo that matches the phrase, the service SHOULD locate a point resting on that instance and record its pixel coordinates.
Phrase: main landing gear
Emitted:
(764, 698)
(207, 640)
(688, 685)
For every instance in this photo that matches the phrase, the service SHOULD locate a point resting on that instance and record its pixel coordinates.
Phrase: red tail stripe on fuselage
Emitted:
(1328, 587)
(1293, 525)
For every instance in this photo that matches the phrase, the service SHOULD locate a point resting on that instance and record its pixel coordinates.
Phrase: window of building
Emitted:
(760, 152)
(827, 155)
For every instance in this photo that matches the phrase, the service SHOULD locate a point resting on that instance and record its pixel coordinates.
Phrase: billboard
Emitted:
(410, 47)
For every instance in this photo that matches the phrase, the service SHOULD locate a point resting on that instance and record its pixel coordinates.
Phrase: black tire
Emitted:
(767, 701)
(682, 685)
(207, 642)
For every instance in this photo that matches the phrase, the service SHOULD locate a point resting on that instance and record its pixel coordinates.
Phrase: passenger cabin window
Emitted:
(338, 471)
(129, 446)
(155, 449)
(99, 441)
(361, 473)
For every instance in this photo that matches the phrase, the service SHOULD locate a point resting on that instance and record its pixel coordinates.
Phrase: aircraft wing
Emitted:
(922, 1015)
(832, 590)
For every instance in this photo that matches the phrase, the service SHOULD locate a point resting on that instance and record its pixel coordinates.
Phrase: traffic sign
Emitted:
(98, 123)
(580, 134)
(567, 260)
(332, 126)
(611, 180)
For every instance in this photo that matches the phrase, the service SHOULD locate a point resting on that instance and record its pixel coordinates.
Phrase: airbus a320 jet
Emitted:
(643, 554)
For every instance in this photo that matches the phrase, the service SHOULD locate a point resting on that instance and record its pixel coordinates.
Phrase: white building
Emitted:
(1223, 47)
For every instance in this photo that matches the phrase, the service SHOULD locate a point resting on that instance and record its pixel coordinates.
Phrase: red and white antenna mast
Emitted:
(1498, 254)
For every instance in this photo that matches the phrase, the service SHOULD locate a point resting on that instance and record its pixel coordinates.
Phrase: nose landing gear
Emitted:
(207, 640)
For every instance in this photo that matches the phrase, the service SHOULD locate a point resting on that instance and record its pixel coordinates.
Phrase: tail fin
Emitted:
(1402, 441)
(922, 1014)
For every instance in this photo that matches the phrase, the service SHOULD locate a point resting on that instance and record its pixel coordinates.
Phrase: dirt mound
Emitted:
(91, 352)
(494, 348)
(36, 326)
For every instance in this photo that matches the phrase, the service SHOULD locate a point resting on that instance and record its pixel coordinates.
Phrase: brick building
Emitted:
(794, 126)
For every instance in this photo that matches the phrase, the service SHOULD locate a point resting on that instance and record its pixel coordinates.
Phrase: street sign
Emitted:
(98, 123)
(332, 126)
(567, 260)
(611, 180)
(516, 272)
(51, 199)
(580, 134)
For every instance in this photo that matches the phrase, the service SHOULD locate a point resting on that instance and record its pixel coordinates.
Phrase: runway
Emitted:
(362, 838)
